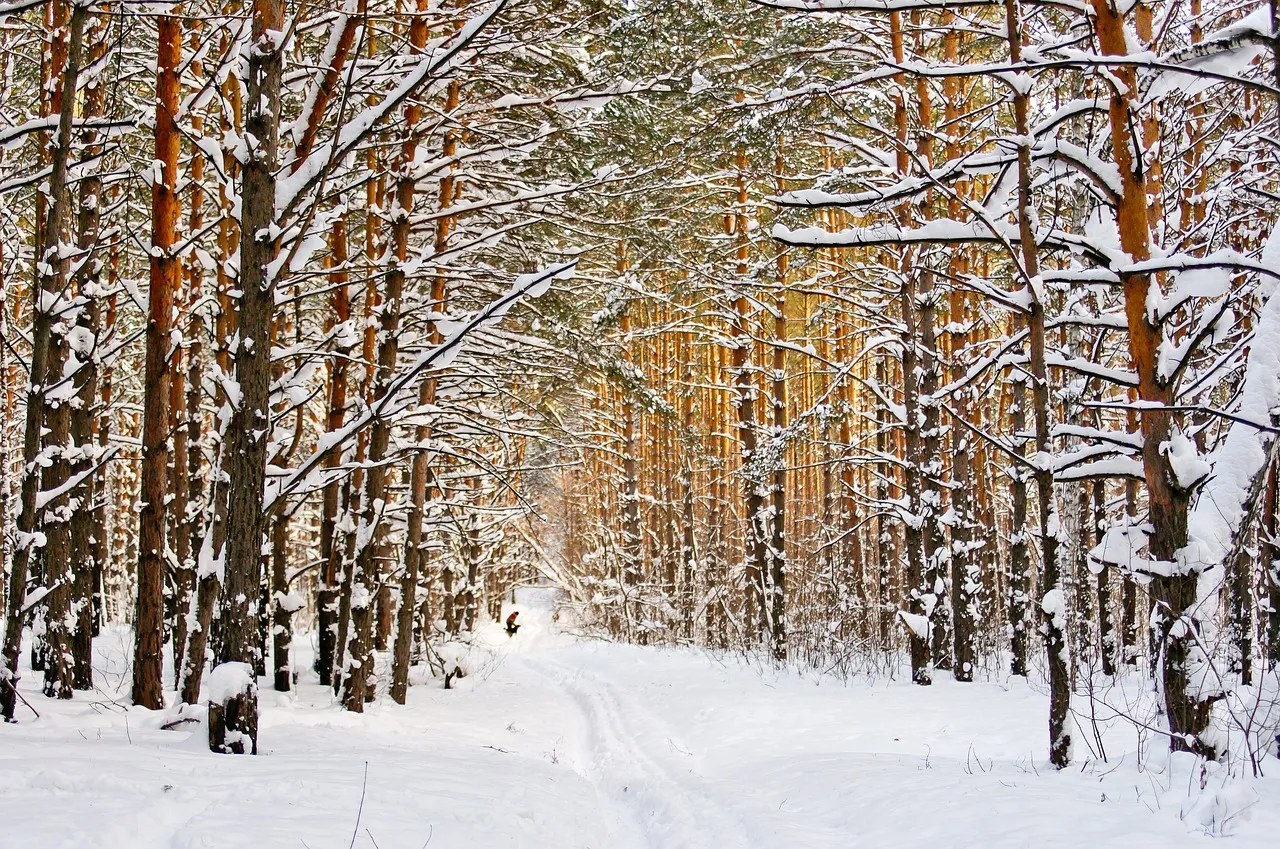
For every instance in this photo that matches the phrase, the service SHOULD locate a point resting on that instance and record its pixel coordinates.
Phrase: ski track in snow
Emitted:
(557, 743)
(664, 809)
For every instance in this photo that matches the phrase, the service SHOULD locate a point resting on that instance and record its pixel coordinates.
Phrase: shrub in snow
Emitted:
(460, 658)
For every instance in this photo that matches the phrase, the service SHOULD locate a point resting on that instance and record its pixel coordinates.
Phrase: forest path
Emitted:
(554, 742)
(638, 768)
(686, 749)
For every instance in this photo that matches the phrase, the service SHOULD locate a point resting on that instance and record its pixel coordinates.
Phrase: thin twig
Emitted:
(20, 696)
(360, 810)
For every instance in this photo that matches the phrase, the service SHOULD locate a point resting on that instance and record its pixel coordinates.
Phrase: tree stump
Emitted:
(233, 709)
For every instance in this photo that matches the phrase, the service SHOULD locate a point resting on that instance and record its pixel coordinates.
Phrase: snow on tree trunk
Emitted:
(42, 364)
(250, 427)
(233, 709)
(157, 424)
(1230, 499)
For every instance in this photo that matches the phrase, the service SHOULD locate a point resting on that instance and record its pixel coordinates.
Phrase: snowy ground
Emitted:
(560, 744)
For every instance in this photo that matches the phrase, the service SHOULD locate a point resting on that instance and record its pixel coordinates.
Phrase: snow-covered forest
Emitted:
(894, 381)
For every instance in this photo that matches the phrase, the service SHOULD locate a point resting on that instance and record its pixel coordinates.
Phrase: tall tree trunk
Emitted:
(211, 561)
(777, 584)
(57, 507)
(84, 566)
(414, 554)
(473, 551)
(1053, 603)
(166, 271)
(1106, 620)
(355, 489)
(330, 544)
(51, 281)
(1129, 628)
(920, 591)
(965, 576)
(632, 535)
(346, 578)
(936, 552)
(1076, 579)
(53, 60)
(233, 727)
(420, 482)
(1168, 502)
(1019, 565)
(849, 550)
(283, 607)
(101, 530)
(886, 549)
(688, 527)
(717, 601)
(930, 460)
(755, 611)
(184, 406)
(921, 595)
(361, 683)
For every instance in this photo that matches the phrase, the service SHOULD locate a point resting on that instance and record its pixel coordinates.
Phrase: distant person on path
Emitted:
(512, 625)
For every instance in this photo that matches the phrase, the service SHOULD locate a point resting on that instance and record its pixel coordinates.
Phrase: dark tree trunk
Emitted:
(360, 682)
(1129, 629)
(420, 474)
(56, 513)
(184, 405)
(632, 536)
(282, 618)
(190, 516)
(330, 544)
(777, 584)
(930, 460)
(936, 552)
(250, 426)
(886, 550)
(920, 590)
(84, 566)
(688, 538)
(54, 630)
(755, 604)
(1106, 622)
(965, 577)
(1053, 603)
(921, 595)
(1019, 563)
(473, 549)
(414, 554)
(212, 557)
(345, 576)
(1053, 600)
(51, 282)
(102, 490)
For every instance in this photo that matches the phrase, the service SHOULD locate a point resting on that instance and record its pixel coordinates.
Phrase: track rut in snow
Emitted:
(667, 808)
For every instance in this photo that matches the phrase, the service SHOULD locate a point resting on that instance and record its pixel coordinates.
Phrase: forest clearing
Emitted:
(860, 415)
